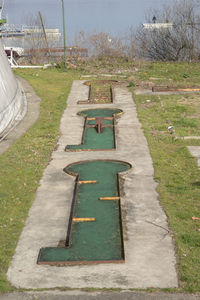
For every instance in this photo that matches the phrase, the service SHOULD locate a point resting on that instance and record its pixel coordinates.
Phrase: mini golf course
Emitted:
(94, 233)
(95, 227)
(96, 221)
(100, 92)
(95, 138)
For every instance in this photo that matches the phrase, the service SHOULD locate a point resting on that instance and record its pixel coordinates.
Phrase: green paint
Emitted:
(101, 240)
(91, 139)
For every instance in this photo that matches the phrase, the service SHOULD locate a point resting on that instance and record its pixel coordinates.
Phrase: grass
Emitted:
(171, 73)
(176, 170)
(23, 164)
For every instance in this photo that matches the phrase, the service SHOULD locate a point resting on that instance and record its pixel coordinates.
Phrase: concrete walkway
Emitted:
(149, 251)
(149, 92)
(81, 295)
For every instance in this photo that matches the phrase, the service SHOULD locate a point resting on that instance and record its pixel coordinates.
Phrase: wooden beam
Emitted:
(109, 198)
(77, 220)
(86, 181)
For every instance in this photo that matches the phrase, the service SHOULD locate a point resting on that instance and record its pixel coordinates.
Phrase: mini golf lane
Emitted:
(149, 253)
(100, 91)
(95, 228)
(92, 139)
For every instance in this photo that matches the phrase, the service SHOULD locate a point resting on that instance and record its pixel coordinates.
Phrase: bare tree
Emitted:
(177, 42)
(100, 44)
(104, 45)
(131, 45)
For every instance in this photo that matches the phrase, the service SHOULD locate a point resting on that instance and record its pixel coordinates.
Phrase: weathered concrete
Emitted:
(191, 137)
(149, 92)
(98, 295)
(195, 151)
(12, 106)
(33, 111)
(149, 252)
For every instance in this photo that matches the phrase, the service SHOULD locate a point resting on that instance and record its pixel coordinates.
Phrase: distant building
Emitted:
(152, 26)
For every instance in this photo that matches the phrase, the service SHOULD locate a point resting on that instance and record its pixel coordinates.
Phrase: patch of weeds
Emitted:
(185, 75)
(131, 84)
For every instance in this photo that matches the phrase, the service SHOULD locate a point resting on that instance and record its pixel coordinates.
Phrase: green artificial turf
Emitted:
(102, 239)
(92, 140)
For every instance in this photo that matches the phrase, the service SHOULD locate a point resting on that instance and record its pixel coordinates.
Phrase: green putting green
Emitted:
(99, 239)
(92, 140)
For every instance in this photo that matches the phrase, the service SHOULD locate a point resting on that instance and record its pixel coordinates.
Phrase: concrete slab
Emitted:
(195, 151)
(191, 137)
(149, 252)
(149, 92)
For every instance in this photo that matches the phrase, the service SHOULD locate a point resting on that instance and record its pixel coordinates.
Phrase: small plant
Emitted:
(131, 84)
(185, 75)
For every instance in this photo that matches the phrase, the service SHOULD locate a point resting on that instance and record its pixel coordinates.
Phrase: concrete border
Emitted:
(149, 92)
(96, 295)
(195, 151)
(150, 258)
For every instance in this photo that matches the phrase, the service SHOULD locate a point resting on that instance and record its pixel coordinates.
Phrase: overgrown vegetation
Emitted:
(175, 34)
(176, 170)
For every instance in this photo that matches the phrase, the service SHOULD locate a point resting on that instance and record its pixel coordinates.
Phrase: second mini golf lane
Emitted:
(100, 91)
(94, 232)
(92, 140)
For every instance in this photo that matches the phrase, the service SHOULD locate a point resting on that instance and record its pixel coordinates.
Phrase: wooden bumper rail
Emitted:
(77, 220)
(87, 181)
(109, 198)
(99, 123)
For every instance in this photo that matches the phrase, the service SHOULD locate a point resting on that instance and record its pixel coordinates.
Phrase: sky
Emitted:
(111, 16)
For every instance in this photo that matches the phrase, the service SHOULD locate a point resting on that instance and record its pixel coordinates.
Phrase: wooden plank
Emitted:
(86, 181)
(109, 198)
(189, 90)
(77, 220)
(106, 118)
